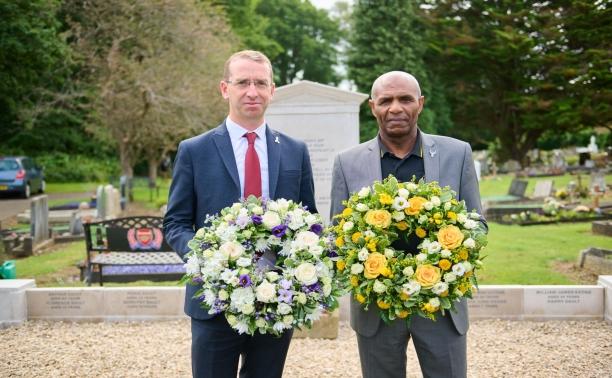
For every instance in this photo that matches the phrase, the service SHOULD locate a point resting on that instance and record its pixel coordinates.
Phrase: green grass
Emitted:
(72, 187)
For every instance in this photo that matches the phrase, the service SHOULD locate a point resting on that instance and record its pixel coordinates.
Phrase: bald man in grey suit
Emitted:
(401, 149)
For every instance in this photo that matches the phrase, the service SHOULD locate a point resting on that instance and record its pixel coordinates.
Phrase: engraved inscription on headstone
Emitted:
(65, 304)
(497, 302)
(565, 301)
(143, 303)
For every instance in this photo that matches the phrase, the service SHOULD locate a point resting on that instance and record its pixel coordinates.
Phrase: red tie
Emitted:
(252, 171)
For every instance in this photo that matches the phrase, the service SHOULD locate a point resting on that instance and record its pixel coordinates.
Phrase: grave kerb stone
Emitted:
(13, 301)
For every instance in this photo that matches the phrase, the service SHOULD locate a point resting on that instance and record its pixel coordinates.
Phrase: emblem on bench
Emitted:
(145, 238)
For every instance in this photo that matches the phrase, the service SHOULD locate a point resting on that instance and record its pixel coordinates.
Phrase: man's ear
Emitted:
(223, 89)
(371, 104)
(421, 103)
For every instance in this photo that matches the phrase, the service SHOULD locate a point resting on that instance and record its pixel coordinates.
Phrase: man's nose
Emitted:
(395, 107)
(252, 90)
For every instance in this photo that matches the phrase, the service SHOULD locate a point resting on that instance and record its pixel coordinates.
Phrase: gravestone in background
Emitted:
(101, 202)
(39, 219)
(326, 118)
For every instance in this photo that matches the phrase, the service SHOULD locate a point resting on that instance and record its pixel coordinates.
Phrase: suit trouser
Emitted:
(441, 350)
(216, 349)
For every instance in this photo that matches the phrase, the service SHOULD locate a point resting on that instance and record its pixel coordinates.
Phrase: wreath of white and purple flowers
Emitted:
(267, 265)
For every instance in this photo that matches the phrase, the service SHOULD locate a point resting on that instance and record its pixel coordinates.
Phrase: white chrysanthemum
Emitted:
(389, 253)
(241, 327)
(261, 244)
(379, 287)
(283, 308)
(209, 297)
(404, 193)
(398, 216)
(412, 287)
(450, 277)
(421, 257)
(469, 243)
(288, 320)
(364, 192)
(408, 271)
(307, 238)
(446, 253)
(310, 219)
(348, 226)
(363, 254)
(435, 200)
(279, 326)
(271, 219)
(356, 268)
(244, 262)
(458, 269)
(242, 296)
(362, 207)
(322, 270)
(265, 292)
(439, 288)
(283, 204)
(327, 290)
(192, 266)
(399, 203)
(296, 221)
(470, 224)
(314, 315)
(434, 247)
(208, 253)
(306, 273)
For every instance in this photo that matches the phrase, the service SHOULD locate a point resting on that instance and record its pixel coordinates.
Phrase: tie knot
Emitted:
(250, 137)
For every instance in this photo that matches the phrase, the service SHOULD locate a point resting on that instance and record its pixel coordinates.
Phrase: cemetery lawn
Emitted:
(515, 255)
(72, 187)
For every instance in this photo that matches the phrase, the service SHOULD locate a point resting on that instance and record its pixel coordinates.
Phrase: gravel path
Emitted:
(161, 349)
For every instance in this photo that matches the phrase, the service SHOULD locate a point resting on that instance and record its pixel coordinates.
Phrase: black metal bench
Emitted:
(129, 249)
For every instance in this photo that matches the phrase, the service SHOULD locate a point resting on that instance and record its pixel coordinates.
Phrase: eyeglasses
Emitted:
(245, 83)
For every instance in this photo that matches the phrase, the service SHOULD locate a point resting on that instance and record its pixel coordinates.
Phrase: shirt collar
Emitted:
(236, 131)
(417, 150)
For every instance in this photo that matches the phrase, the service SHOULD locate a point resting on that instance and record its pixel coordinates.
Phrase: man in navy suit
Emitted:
(242, 156)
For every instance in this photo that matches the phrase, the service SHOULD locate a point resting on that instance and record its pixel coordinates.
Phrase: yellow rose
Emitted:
(383, 305)
(360, 298)
(403, 313)
(347, 212)
(339, 242)
(450, 237)
(374, 265)
(444, 264)
(354, 281)
(427, 275)
(355, 237)
(340, 264)
(385, 199)
(451, 215)
(402, 226)
(421, 233)
(415, 204)
(378, 218)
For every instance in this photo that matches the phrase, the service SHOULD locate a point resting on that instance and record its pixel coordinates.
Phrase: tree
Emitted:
(155, 68)
(388, 36)
(299, 39)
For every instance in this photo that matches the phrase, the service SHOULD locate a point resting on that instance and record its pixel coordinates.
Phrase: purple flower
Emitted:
(285, 284)
(279, 231)
(285, 295)
(315, 287)
(196, 279)
(256, 219)
(332, 253)
(245, 280)
(316, 228)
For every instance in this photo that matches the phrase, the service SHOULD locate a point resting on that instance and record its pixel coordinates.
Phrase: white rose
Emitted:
(398, 216)
(232, 249)
(435, 200)
(283, 308)
(265, 292)
(248, 309)
(260, 323)
(439, 288)
(348, 226)
(363, 254)
(306, 273)
(389, 253)
(403, 193)
(310, 219)
(288, 320)
(469, 243)
(450, 277)
(362, 207)
(223, 295)
(316, 250)
(257, 210)
(379, 287)
(446, 253)
(356, 268)
(408, 271)
(231, 320)
(272, 276)
(428, 205)
(364, 192)
(368, 234)
(271, 219)
(421, 257)
(307, 238)
(208, 254)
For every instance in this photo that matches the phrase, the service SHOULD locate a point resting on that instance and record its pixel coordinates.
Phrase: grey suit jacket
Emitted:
(447, 161)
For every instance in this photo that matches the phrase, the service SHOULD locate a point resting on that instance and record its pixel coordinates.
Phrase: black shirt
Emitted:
(404, 169)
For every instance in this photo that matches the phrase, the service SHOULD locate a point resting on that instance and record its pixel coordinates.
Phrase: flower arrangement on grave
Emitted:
(401, 283)
(265, 265)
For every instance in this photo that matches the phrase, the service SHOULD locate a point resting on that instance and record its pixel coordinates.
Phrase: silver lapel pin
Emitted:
(276, 140)
(432, 152)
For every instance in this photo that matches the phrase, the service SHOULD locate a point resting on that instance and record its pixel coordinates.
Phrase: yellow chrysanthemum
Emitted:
(404, 296)
(383, 305)
(463, 254)
(451, 215)
(347, 212)
(372, 245)
(360, 298)
(420, 232)
(355, 237)
(402, 314)
(340, 264)
(354, 281)
(429, 308)
(339, 242)
(402, 226)
(385, 199)
(444, 264)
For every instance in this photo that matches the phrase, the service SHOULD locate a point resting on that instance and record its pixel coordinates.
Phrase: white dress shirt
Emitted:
(240, 145)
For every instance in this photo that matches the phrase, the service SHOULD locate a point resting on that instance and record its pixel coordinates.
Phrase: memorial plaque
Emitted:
(141, 303)
(563, 302)
(326, 119)
(71, 304)
(606, 283)
(493, 301)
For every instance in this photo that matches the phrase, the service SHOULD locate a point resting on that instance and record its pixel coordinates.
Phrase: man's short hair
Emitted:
(252, 55)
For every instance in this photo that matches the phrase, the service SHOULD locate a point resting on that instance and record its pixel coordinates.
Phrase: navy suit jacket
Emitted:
(205, 180)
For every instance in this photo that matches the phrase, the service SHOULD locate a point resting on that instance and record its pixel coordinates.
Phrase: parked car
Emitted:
(19, 174)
